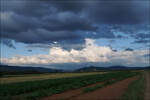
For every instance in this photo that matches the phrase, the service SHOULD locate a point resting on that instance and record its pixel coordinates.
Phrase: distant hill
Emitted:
(94, 68)
(5, 69)
(20, 69)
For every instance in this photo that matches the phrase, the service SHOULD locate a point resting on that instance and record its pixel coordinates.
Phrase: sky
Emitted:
(69, 34)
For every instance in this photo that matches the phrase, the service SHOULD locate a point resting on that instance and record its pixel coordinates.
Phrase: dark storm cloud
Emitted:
(29, 50)
(67, 21)
(8, 43)
(144, 41)
(131, 29)
(105, 31)
(112, 12)
(44, 36)
(12, 23)
(118, 12)
(139, 32)
(120, 36)
(142, 36)
(147, 55)
(46, 21)
(129, 49)
(77, 44)
(69, 5)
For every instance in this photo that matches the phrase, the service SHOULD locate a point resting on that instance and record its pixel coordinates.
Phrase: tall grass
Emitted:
(37, 89)
(136, 89)
(108, 82)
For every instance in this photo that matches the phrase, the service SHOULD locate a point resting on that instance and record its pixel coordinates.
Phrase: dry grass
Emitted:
(22, 78)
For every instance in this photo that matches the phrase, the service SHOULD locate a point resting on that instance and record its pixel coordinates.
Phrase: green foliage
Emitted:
(32, 77)
(108, 82)
(32, 90)
(1, 74)
(135, 90)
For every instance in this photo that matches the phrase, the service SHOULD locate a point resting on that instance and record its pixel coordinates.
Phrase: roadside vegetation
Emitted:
(33, 90)
(32, 77)
(136, 89)
(109, 82)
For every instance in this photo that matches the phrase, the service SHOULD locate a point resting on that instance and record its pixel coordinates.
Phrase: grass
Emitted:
(136, 89)
(109, 82)
(33, 90)
(32, 77)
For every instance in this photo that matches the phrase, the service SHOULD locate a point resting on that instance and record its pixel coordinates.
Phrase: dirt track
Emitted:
(68, 94)
(147, 95)
(110, 92)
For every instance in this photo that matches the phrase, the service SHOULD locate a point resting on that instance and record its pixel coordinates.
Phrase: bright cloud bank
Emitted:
(90, 53)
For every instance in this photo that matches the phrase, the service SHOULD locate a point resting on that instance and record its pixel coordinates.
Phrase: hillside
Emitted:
(25, 70)
(94, 68)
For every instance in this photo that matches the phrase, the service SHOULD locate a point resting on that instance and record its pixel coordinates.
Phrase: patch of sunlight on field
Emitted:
(21, 78)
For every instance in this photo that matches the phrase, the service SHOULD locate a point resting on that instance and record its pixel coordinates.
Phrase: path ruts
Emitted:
(69, 94)
(110, 92)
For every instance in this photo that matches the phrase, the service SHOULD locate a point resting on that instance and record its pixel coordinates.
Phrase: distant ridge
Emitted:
(25, 70)
(94, 68)
(19, 69)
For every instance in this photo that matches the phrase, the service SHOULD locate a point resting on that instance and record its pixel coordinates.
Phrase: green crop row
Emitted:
(136, 89)
(90, 89)
(36, 89)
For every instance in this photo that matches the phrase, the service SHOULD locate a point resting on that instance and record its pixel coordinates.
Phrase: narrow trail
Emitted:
(147, 95)
(111, 92)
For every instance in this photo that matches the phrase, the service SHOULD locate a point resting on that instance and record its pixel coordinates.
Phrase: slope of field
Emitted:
(136, 89)
(33, 77)
(36, 89)
(110, 92)
(69, 94)
(81, 91)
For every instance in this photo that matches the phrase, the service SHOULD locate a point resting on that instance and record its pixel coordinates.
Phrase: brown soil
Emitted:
(147, 95)
(111, 92)
(69, 94)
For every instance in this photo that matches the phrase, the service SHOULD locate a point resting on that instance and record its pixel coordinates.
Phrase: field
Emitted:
(32, 77)
(123, 85)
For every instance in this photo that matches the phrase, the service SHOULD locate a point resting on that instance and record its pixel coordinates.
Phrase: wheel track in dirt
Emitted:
(110, 92)
(122, 85)
(69, 94)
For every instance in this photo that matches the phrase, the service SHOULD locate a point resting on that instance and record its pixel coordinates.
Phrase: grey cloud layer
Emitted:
(30, 21)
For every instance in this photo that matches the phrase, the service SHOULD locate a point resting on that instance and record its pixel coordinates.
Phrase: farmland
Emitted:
(40, 88)
(33, 77)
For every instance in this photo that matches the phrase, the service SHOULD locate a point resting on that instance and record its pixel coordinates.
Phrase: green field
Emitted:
(33, 77)
(136, 89)
(33, 90)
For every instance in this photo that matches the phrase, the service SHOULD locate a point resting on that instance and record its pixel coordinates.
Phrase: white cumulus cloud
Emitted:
(91, 53)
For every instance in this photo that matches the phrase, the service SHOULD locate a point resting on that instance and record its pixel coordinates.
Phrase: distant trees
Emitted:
(1, 74)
